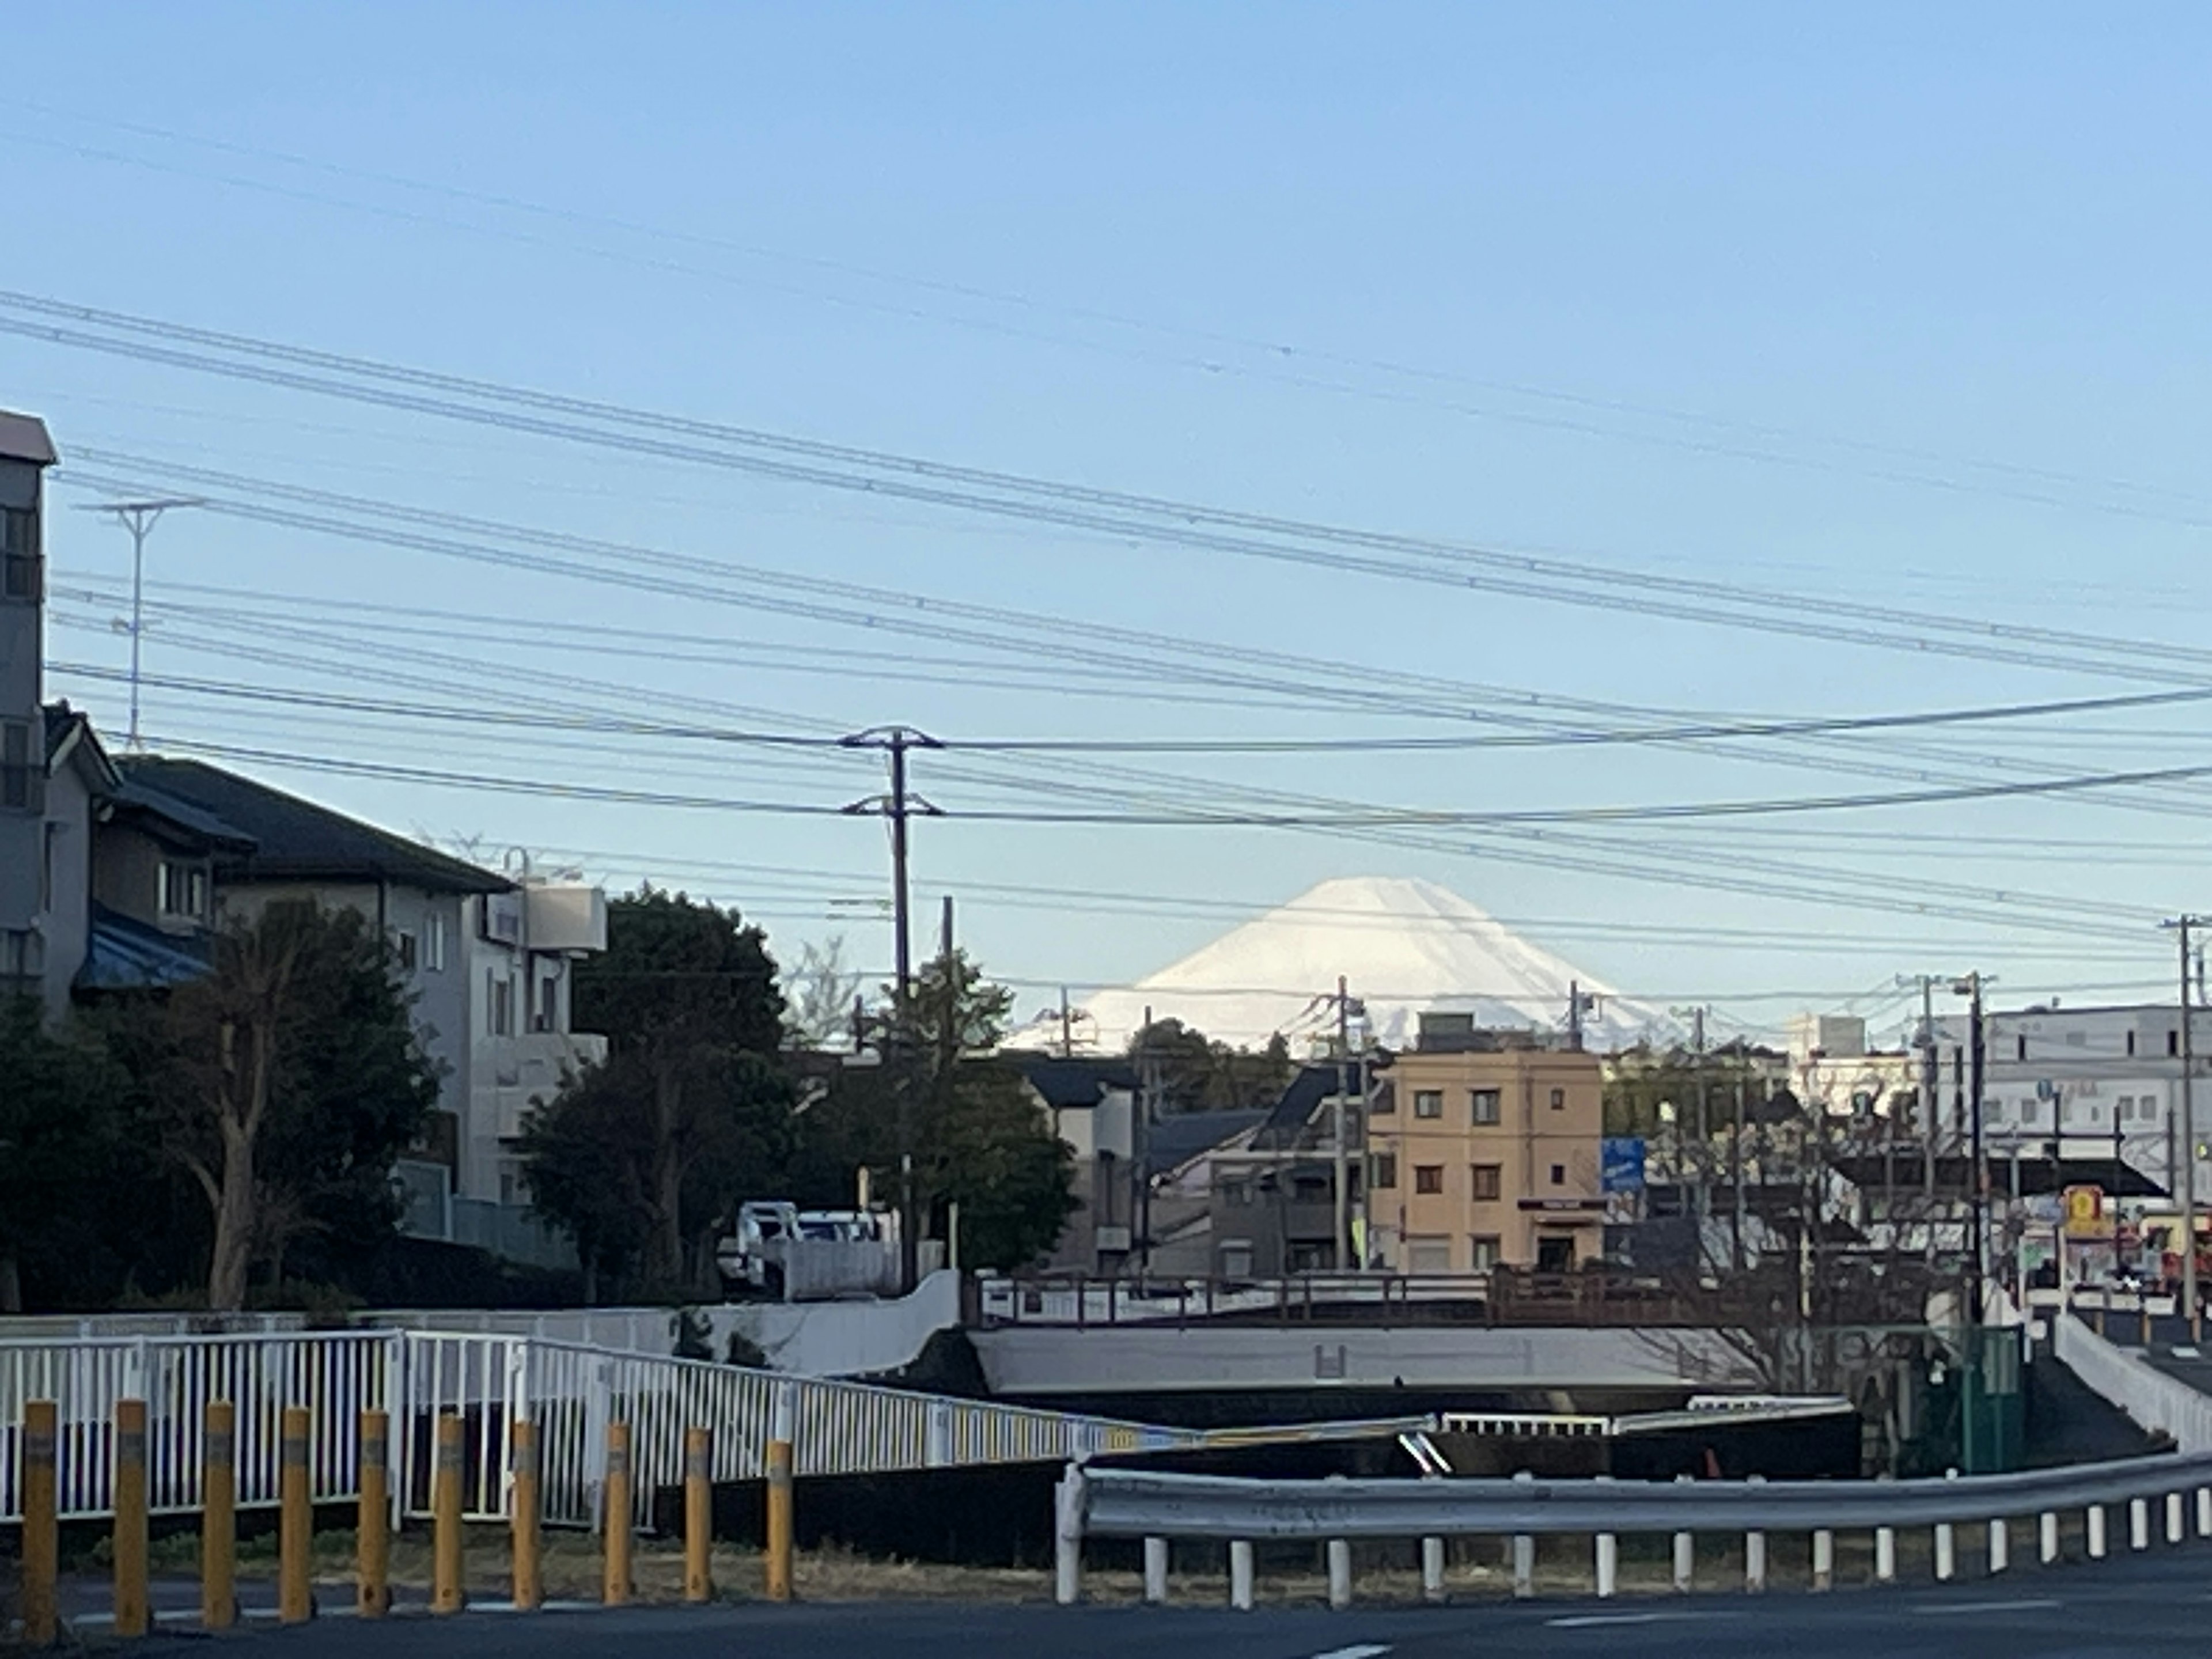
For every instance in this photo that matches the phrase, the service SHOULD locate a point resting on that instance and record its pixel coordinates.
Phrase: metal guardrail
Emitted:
(1157, 1507)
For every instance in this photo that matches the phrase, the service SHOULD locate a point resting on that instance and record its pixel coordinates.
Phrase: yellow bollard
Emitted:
(522, 1458)
(295, 1523)
(616, 1588)
(42, 1547)
(447, 1595)
(698, 1515)
(219, 1518)
(373, 1520)
(777, 1560)
(131, 1615)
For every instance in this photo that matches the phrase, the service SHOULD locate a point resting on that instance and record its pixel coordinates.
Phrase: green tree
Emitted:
(1198, 1074)
(285, 1082)
(57, 1144)
(641, 1159)
(964, 1117)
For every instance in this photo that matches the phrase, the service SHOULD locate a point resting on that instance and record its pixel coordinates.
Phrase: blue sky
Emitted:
(1897, 311)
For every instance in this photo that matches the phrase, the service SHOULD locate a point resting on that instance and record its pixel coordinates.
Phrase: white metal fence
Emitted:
(490, 1382)
(2162, 1404)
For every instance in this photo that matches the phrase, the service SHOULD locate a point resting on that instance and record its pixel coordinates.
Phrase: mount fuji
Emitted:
(1404, 947)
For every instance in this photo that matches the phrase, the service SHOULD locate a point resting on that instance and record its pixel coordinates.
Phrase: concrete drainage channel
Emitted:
(2169, 1495)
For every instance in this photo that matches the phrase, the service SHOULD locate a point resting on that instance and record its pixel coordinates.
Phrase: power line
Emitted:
(844, 467)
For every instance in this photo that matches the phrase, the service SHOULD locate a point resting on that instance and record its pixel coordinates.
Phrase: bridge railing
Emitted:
(489, 1383)
(1157, 1508)
(2162, 1404)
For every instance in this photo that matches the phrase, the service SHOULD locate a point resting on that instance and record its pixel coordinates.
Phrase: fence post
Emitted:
(2046, 1528)
(1524, 1554)
(2175, 1528)
(783, 1431)
(1340, 1573)
(698, 1515)
(1067, 1512)
(131, 1613)
(1824, 1559)
(1754, 1553)
(1240, 1574)
(1686, 1552)
(2204, 1511)
(447, 1591)
(2000, 1546)
(218, 1517)
(2096, 1532)
(2138, 1523)
(1432, 1568)
(615, 1585)
(1155, 1571)
(295, 1525)
(523, 1517)
(373, 1518)
(41, 1527)
(1884, 1555)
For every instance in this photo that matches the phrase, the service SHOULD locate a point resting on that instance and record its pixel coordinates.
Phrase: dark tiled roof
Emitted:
(63, 723)
(125, 955)
(1300, 1101)
(295, 839)
(1072, 1082)
(1174, 1141)
(24, 438)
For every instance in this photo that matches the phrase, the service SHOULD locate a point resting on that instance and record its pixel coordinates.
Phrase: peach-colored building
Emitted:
(1484, 1152)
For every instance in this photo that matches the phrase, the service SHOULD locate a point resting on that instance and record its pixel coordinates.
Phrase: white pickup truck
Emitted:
(789, 1255)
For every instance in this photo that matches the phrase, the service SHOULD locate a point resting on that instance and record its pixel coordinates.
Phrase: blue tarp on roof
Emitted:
(130, 956)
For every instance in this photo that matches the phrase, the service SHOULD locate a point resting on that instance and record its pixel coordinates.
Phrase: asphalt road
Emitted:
(2142, 1608)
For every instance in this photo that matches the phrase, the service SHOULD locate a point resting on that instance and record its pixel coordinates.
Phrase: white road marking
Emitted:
(1363, 1651)
(1591, 1620)
(1958, 1609)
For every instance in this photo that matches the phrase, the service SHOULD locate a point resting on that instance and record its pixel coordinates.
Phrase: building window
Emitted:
(49, 855)
(549, 1003)
(19, 553)
(499, 1004)
(403, 946)
(1483, 1251)
(1555, 1255)
(1237, 1258)
(1559, 1174)
(2019, 1047)
(1428, 1103)
(1485, 1106)
(1486, 1182)
(1558, 1100)
(2131, 1043)
(20, 779)
(2172, 1043)
(183, 890)
(1386, 1170)
(1428, 1178)
(1385, 1103)
(434, 942)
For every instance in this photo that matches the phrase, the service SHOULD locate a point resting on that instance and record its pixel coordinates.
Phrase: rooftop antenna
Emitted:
(139, 518)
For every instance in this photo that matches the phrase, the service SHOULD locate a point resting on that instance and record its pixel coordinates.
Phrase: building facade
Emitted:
(32, 960)
(1485, 1151)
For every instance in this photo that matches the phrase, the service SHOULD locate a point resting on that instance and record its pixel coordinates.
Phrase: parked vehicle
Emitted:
(786, 1254)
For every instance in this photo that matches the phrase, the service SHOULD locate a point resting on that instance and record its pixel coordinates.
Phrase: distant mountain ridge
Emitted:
(1404, 947)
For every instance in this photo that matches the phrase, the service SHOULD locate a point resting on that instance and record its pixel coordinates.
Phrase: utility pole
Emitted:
(2190, 1310)
(1148, 1078)
(898, 805)
(1700, 1198)
(1930, 1070)
(1341, 1252)
(138, 518)
(1978, 1173)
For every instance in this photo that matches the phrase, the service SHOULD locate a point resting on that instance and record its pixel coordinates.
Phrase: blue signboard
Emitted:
(1620, 1163)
